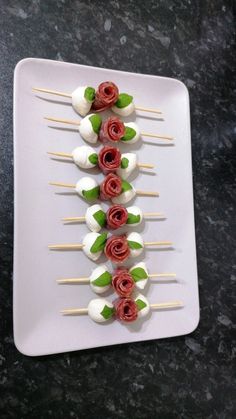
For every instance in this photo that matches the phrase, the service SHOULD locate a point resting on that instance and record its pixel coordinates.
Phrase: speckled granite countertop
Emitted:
(188, 377)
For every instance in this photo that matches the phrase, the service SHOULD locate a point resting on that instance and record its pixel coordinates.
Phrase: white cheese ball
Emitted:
(136, 136)
(86, 130)
(134, 212)
(126, 111)
(84, 186)
(100, 310)
(132, 163)
(81, 157)
(137, 238)
(124, 197)
(90, 220)
(139, 279)
(80, 104)
(88, 242)
(143, 308)
(95, 275)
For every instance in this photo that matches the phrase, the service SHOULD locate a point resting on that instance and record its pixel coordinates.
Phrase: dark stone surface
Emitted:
(188, 377)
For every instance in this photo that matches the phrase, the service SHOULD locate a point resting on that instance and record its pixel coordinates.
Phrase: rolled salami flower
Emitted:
(116, 248)
(116, 216)
(109, 160)
(106, 96)
(118, 190)
(101, 279)
(125, 309)
(92, 129)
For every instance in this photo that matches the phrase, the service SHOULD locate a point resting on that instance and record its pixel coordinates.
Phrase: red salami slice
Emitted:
(122, 282)
(117, 249)
(110, 187)
(106, 95)
(109, 159)
(116, 216)
(112, 129)
(126, 309)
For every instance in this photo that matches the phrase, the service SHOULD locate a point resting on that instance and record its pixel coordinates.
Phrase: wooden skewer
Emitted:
(69, 185)
(80, 246)
(157, 306)
(86, 280)
(70, 156)
(73, 122)
(146, 214)
(55, 92)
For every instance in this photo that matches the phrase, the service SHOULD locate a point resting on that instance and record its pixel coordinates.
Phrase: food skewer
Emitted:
(85, 98)
(92, 129)
(116, 248)
(116, 216)
(126, 309)
(109, 160)
(124, 281)
(113, 187)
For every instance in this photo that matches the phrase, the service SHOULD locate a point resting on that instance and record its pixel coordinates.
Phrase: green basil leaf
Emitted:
(141, 304)
(93, 158)
(103, 280)
(125, 186)
(124, 163)
(89, 94)
(129, 134)
(134, 245)
(123, 100)
(133, 219)
(100, 217)
(99, 243)
(96, 122)
(91, 194)
(138, 274)
(107, 312)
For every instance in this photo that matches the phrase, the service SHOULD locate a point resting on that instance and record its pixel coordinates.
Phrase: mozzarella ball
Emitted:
(86, 129)
(133, 136)
(126, 111)
(95, 217)
(135, 216)
(82, 157)
(100, 310)
(126, 195)
(135, 243)
(79, 102)
(88, 242)
(139, 274)
(88, 188)
(143, 305)
(100, 279)
(128, 164)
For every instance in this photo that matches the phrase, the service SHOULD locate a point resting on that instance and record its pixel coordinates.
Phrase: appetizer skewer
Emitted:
(127, 309)
(116, 248)
(109, 160)
(122, 280)
(115, 217)
(107, 96)
(113, 187)
(92, 129)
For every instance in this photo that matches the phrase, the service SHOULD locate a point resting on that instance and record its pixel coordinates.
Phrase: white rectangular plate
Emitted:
(39, 328)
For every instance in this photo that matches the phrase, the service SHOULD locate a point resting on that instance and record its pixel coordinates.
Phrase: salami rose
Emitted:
(112, 129)
(106, 96)
(110, 187)
(109, 159)
(117, 249)
(122, 282)
(116, 216)
(126, 309)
